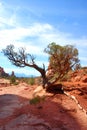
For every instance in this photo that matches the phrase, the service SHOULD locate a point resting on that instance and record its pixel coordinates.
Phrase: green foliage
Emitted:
(66, 78)
(37, 100)
(29, 81)
(32, 81)
(26, 80)
(62, 59)
(13, 80)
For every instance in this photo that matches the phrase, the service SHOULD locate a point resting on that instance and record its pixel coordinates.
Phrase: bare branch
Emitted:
(22, 59)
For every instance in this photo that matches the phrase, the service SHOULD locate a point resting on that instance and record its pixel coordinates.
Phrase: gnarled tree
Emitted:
(61, 60)
(22, 59)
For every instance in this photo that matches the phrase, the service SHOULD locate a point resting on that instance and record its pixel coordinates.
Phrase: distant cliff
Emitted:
(3, 73)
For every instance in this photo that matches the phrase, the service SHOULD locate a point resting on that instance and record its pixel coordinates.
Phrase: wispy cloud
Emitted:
(14, 35)
(39, 36)
(20, 28)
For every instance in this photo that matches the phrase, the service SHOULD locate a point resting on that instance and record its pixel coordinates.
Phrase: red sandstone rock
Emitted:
(56, 112)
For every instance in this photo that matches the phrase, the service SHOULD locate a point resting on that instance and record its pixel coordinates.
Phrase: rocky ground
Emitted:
(66, 111)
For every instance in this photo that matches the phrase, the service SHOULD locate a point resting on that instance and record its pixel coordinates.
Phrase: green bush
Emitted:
(13, 80)
(37, 99)
(31, 81)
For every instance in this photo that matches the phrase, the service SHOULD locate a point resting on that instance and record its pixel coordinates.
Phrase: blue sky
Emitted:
(34, 24)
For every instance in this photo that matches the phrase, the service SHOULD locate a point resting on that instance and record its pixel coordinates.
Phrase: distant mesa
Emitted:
(3, 73)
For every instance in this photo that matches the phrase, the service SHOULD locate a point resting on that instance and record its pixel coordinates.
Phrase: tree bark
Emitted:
(42, 71)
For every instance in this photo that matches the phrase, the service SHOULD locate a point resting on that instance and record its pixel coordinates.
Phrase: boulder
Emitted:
(84, 79)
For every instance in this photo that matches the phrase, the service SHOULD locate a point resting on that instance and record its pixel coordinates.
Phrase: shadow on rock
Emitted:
(51, 115)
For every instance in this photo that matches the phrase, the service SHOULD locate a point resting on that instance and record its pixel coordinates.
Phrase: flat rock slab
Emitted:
(8, 103)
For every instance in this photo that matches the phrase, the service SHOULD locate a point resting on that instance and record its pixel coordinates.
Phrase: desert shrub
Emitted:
(32, 81)
(66, 78)
(37, 99)
(26, 80)
(13, 80)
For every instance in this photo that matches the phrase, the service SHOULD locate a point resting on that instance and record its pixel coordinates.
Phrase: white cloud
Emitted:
(12, 36)
(38, 36)
(43, 33)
